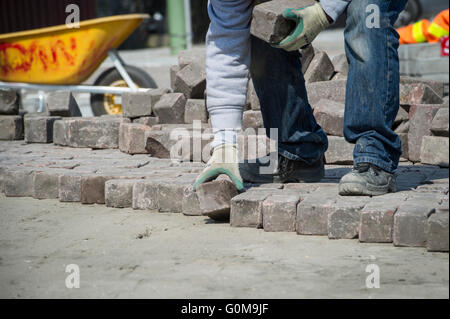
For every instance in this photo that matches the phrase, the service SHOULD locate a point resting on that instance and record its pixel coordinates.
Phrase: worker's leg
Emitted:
(227, 66)
(280, 86)
(373, 82)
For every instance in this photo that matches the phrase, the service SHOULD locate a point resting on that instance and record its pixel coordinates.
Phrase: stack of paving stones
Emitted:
(149, 158)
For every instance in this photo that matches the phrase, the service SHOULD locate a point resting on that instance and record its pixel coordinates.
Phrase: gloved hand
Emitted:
(311, 20)
(224, 160)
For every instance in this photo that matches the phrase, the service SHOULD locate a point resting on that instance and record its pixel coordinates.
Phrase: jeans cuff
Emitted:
(295, 157)
(386, 166)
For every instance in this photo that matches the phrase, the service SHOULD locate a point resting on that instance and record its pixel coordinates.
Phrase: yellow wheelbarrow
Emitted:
(61, 58)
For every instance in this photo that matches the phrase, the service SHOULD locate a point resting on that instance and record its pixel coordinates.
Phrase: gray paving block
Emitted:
(339, 151)
(437, 86)
(19, 183)
(9, 102)
(340, 64)
(344, 217)
(247, 209)
(320, 69)
(145, 195)
(330, 90)
(133, 138)
(141, 104)
(440, 123)
(191, 81)
(46, 184)
(252, 119)
(307, 55)
(419, 51)
(147, 120)
(195, 111)
(437, 232)
(170, 108)
(119, 193)
(418, 93)
(268, 23)
(62, 103)
(252, 97)
(435, 151)
(197, 56)
(280, 212)
(11, 127)
(39, 129)
(419, 66)
(190, 204)
(330, 115)
(174, 69)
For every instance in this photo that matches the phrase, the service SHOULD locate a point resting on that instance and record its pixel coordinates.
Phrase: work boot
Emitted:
(367, 180)
(286, 171)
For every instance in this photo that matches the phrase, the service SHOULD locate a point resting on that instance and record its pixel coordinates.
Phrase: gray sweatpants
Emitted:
(228, 61)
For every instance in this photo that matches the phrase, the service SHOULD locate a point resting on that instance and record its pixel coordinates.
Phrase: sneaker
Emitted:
(367, 180)
(286, 171)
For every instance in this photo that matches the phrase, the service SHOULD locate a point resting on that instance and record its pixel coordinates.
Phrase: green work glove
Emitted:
(310, 21)
(224, 160)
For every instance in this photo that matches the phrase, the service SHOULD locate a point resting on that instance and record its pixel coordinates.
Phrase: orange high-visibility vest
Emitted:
(424, 31)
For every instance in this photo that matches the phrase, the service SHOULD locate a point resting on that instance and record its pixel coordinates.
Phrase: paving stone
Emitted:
(145, 195)
(170, 196)
(330, 90)
(434, 188)
(440, 124)
(9, 102)
(119, 193)
(141, 104)
(437, 86)
(39, 129)
(420, 93)
(404, 139)
(247, 209)
(330, 115)
(195, 111)
(344, 217)
(410, 221)
(339, 151)
(402, 128)
(170, 108)
(320, 69)
(197, 56)
(421, 118)
(133, 138)
(312, 213)
(435, 151)
(93, 189)
(215, 198)
(252, 97)
(11, 127)
(62, 103)
(252, 119)
(437, 233)
(307, 55)
(268, 22)
(340, 64)
(147, 120)
(169, 144)
(191, 81)
(69, 187)
(190, 203)
(402, 116)
(19, 183)
(174, 69)
(46, 184)
(280, 212)
(377, 218)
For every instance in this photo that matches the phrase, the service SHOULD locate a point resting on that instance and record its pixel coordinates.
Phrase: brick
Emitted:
(69, 187)
(133, 138)
(11, 127)
(437, 234)
(435, 151)
(344, 217)
(145, 195)
(19, 183)
(307, 55)
(439, 125)
(62, 103)
(97, 133)
(93, 189)
(410, 221)
(312, 213)
(173, 144)
(46, 184)
(330, 115)
(420, 118)
(119, 193)
(141, 104)
(170, 196)
(39, 129)
(247, 209)
(268, 23)
(252, 119)
(170, 108)
(252, 98)
(330, 90)
(377, 219)
(174, 69)
(402, 116)
(320, 69)
(420, 93)
(339, 151)
(280, 212)
(190, 204)
(215, 198)
(191, 81)
(147, 120)
(402, 128)
(9, 102)
(340, 64)
(197, 56)
(195, 111)
(437, 86)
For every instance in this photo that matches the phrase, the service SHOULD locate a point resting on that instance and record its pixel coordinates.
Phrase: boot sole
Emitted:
(358, 189)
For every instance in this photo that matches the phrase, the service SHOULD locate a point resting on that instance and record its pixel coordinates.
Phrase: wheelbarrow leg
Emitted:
(119, 65)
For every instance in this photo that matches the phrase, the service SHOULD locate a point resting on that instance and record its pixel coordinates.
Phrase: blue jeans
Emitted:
(372, 91)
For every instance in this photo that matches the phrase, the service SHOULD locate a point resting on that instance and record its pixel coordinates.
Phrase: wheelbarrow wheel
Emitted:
(107, 104)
